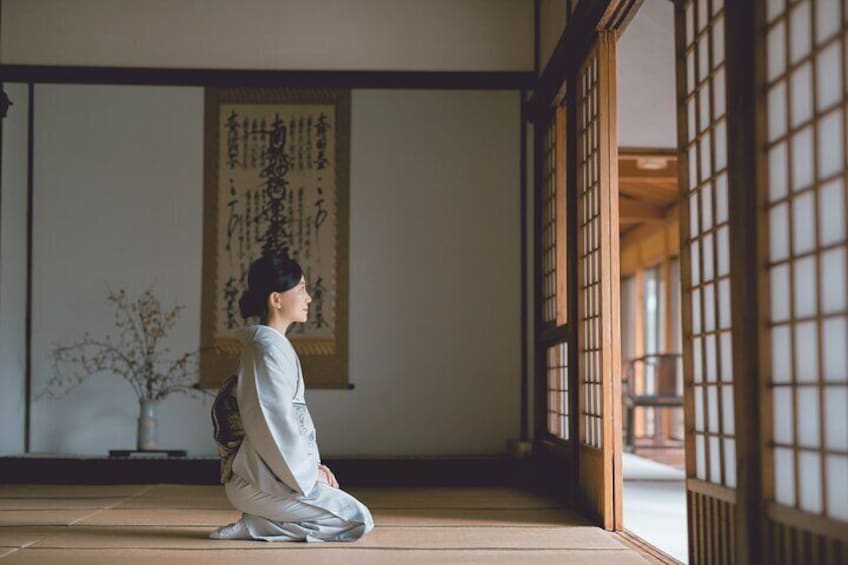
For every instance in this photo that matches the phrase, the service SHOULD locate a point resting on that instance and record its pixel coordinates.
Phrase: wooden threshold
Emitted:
(645, 549)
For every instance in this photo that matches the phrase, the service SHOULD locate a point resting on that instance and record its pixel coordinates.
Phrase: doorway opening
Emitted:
(652, 419)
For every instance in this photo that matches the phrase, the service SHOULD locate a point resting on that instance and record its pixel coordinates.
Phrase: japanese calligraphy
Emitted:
(276, 171)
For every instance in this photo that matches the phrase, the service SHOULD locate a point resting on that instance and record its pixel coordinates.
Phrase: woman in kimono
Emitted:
(272, 469)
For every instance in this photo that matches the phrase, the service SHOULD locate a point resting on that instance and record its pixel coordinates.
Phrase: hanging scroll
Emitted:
(276, 181)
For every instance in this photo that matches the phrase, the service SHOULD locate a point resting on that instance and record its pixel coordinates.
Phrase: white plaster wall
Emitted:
(434, 275)
(435, 279)
(13, 208)
(444, 35)
(647, 115)
(118, 176)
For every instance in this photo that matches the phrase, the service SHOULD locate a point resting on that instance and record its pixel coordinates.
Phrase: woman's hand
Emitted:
(326, 476)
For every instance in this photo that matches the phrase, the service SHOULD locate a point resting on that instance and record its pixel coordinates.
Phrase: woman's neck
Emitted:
(278, 323)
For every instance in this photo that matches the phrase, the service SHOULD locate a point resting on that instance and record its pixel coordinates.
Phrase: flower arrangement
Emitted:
(136, 355)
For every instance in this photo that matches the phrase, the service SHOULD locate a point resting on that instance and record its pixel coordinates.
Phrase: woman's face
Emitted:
(293, 304)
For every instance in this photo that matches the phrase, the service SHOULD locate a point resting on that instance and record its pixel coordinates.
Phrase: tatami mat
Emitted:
(19, 536)
(382, 517)
(43, 517)
(58, 503)
(177, 502)
(470, 517)
(315, 555)
(162, 517)
(435, 537)
(74, 491)
(170, 523)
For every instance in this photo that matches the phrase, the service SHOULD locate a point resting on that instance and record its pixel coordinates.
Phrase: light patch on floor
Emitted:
(655, 504)
(95, 525)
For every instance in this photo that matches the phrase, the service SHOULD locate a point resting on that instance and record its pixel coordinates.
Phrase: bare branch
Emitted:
(137, 358)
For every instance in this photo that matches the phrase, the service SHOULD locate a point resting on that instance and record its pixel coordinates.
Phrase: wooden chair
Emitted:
(665, 395)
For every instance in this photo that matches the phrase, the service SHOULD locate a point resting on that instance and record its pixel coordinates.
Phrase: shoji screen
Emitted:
(598, 280)
(554, 310)
(558, 397)
(803, 208)
(705, 278)
(554, 271)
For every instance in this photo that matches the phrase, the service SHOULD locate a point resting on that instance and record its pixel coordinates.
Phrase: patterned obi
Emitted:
(226, 421)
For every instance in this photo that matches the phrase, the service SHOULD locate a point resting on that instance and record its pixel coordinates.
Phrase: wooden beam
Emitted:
(631, 152)
(464, 80)
(539, 352)
(472, 470)
(620, 14)
(652, 193)
(646, 178)
(657, 185)
(522, 183)
(29, 266)
(654, 242)
(610, 279)
(631, 210)
(574, 356)
(569, 53)
(745, 77)
(630, 167)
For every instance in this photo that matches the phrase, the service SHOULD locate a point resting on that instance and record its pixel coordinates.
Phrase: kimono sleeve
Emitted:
(272, 421)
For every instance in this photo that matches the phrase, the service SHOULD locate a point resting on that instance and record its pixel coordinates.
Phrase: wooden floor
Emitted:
(169, 524)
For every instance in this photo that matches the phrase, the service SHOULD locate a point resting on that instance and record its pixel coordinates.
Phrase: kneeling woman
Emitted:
(276, 478)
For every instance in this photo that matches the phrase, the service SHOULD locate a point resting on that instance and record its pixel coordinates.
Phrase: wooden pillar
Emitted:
(742, 178)
(638, 384)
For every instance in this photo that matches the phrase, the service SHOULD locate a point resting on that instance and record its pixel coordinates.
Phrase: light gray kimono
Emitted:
(274, 481)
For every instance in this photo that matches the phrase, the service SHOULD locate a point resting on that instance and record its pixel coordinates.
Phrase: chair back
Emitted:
(662, 366)
(666, 372)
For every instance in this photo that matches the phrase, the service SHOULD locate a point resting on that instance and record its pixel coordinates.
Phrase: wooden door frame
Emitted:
(744, 60)
(590, 18)
(556, 457)
(611, 515)
(742, 113)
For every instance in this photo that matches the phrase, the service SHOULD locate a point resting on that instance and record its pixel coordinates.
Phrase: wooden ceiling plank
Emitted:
(637, 210)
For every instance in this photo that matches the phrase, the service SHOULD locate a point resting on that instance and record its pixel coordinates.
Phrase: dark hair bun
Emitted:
(249, 304)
